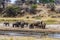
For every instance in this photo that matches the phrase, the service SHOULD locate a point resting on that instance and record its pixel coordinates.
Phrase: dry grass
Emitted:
(29, 19)
(24, 38)
(16, 38)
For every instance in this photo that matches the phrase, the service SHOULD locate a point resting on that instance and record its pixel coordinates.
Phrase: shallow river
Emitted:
(51, 35)
(38, 35)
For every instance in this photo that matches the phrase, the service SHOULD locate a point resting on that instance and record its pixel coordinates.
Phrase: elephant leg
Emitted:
(13, 25)
(31, 27)
(8, 24)
(17, 25)
(22, 26)
(43, 27)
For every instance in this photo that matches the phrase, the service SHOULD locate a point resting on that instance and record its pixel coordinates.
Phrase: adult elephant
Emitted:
(22, 24)
(37, 25)
(41, 25)
(31, 26)
(16, 24)
(19, 24)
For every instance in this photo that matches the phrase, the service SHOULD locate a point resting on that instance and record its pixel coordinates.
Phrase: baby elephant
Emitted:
(6, 23)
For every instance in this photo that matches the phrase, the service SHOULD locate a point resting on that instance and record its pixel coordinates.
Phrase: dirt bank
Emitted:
(29, 30)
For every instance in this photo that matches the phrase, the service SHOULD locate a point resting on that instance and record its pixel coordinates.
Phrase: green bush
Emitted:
(11, 11)
(34, 6)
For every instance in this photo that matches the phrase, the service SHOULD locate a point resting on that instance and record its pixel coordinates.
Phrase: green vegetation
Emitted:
(44, 1)
(47, 1)
(33, 9)
(52, 1)
(34, 6)
(15, 11)
(12, 11)
(37, 17)
(51, 21)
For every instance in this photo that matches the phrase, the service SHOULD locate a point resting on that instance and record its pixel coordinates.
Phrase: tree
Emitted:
(2, 2)
(10, 12)
(52, 6)
(44, 1)
(33, 8)
(23, 1)
(8, 0)
(52, 1)
(47, 1)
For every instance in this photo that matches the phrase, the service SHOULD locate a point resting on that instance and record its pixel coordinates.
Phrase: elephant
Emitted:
(6, 23)
(20, 24)
(31, 26)
(41, 25)
(17, 24)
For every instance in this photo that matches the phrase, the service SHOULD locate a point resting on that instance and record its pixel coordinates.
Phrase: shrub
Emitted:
(34, 6)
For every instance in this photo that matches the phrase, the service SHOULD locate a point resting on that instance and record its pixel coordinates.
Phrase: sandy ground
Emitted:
(24, 38)
(33, 30)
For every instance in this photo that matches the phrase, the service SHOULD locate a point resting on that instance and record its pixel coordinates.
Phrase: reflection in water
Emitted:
(55, 35)
(56, 26)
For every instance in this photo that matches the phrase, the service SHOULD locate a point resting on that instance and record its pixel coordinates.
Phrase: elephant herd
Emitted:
(22, 24)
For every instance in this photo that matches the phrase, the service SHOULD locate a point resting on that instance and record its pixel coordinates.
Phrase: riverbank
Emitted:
(24, 38)
(29, 30)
